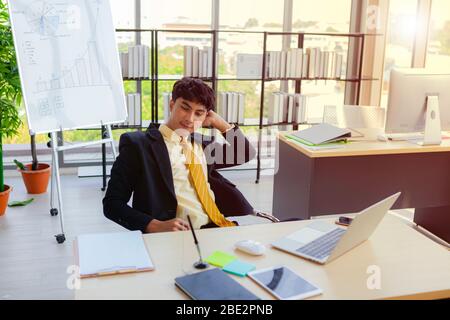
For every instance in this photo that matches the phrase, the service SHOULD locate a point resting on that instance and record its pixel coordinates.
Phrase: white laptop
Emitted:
(323, 242)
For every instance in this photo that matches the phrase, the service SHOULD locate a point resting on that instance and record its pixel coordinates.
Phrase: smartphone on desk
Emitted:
(344, 221)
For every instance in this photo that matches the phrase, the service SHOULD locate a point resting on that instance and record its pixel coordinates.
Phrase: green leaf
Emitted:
(20, 165)
(20, 203)
(10, 87)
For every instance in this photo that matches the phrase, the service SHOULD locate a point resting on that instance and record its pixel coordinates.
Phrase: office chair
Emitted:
(264, 215)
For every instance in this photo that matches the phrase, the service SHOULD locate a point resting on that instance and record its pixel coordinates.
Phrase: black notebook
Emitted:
(213, 284)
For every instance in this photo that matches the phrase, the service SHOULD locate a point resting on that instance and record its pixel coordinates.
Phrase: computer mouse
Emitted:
(251, 247)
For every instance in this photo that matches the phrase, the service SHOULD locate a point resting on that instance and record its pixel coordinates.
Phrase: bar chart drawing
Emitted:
(85, 72)
(68, 62)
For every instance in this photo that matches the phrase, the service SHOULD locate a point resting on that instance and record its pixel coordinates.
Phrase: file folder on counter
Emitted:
(322, 134)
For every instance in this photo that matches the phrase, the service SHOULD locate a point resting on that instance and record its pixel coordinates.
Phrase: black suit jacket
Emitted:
(143, 170)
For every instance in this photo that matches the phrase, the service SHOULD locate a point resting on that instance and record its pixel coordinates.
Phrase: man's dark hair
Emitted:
(194, 90)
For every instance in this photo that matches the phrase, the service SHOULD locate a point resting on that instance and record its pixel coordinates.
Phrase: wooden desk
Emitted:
(347, 180)
(412, 266)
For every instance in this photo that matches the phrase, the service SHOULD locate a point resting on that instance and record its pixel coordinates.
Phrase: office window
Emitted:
(323, 16)
(123, 13)
(124, 17)
(400, 40)
(195, 14)
(173, 15)
(230, 45)
(249, 16)
(266, 15)
(438, 55)
(171, 58)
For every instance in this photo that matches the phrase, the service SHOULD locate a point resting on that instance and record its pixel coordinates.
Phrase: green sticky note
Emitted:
(220, 259)
(239, 268)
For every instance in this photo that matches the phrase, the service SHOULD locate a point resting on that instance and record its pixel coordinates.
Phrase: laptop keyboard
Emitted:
(322, 247)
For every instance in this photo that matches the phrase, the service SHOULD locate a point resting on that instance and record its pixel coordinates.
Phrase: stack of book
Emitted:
(311, 64)
(134, 109)
(287, 108)
(231, 106)
(198, 62)
(135, 62)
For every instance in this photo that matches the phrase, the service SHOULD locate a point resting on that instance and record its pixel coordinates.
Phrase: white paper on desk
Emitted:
(325, 147)
(317, 148)
(110, 252)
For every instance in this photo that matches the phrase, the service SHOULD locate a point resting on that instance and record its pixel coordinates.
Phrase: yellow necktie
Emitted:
(198, 179)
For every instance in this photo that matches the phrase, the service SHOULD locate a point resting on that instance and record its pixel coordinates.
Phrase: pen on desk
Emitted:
(199, 264)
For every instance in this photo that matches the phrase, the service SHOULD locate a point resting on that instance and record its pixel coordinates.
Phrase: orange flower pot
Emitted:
(4, 197)
(36, 181)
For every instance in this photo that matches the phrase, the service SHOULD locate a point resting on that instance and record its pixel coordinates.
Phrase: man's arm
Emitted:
(238, 150)
(124, 175)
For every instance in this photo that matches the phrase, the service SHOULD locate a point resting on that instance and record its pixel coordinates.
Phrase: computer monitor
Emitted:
(418, 98)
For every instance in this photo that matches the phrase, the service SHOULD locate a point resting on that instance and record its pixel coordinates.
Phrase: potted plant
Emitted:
(35, 175)
(10, 95)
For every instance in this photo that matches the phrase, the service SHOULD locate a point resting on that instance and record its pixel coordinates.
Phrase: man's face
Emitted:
(186, 115)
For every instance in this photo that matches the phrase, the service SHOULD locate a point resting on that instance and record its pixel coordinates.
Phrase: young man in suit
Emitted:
(171, 170)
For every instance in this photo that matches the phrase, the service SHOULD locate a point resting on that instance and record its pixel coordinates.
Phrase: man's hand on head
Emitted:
(167, 226)
(216, 121)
